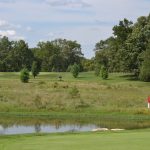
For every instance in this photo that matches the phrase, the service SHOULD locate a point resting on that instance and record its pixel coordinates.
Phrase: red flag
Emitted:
(148, 99)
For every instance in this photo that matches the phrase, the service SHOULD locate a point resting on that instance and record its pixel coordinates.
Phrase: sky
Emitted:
(86, 21)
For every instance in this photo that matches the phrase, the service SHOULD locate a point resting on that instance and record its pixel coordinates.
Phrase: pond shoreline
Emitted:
(74, 115)
(48, 122)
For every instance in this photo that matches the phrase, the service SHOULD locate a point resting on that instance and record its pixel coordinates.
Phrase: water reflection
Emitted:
(20, 125)
(37, 128)
(44, 129)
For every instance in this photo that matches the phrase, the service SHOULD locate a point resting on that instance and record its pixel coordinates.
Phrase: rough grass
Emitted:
(133, 140)
(120, 93)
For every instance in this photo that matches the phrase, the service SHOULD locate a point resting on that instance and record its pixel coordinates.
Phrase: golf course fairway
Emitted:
(124, 140)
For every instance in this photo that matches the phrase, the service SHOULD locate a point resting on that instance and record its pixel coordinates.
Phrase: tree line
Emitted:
(128, 50)
(55, 55)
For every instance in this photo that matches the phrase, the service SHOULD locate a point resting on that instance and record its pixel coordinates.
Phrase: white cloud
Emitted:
(11, 34)
(9, 29)
(68, 3)
(8, 33)
(75, 18)
(7, 25)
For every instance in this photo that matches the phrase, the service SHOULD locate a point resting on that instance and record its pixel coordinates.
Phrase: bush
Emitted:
(24, 75)
(35, 69)
(104, 73)
(75, 70)
(74, 92)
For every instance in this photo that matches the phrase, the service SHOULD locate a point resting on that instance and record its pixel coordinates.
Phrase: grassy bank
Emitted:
(121, 93)
(135, 140)
(105, 120)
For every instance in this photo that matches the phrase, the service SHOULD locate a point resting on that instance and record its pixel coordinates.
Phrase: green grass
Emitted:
(132, 140)
(45, 94)
(119, 100)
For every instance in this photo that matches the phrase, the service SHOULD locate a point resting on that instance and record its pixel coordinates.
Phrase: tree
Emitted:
(70, 51)
(75, 70)
(24, 75)
(57, 55)
(21, 55)
(122, 52)
(137, 43)
(106, 52)
(35, 69)
(123, 30)
(145, 68)
(54, 55)
(5, 50)
(14, 55)
(87, 64)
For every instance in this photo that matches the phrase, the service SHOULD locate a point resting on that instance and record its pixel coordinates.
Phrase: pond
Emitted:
(21, 129)
(11, 126)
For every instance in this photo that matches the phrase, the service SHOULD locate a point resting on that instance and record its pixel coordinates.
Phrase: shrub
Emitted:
(104, 73)
(35, 69)
(74, 92)
(75, 70)
(24, 75)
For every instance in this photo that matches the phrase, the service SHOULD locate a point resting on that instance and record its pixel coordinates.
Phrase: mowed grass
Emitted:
(132, 140)
(120, 93)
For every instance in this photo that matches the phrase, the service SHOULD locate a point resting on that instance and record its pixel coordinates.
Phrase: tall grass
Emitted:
(120, 93)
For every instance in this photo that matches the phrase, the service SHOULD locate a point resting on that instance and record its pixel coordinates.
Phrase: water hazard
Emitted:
(11, 126)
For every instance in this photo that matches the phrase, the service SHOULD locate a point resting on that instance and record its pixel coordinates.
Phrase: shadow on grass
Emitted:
(130, 77)
(81, 77)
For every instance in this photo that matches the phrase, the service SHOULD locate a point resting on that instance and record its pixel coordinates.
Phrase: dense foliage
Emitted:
(123, 52)
(54, 55)
(58, 55)
(14, 55)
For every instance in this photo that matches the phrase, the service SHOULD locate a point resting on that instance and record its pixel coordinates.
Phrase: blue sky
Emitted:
(86, 21)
